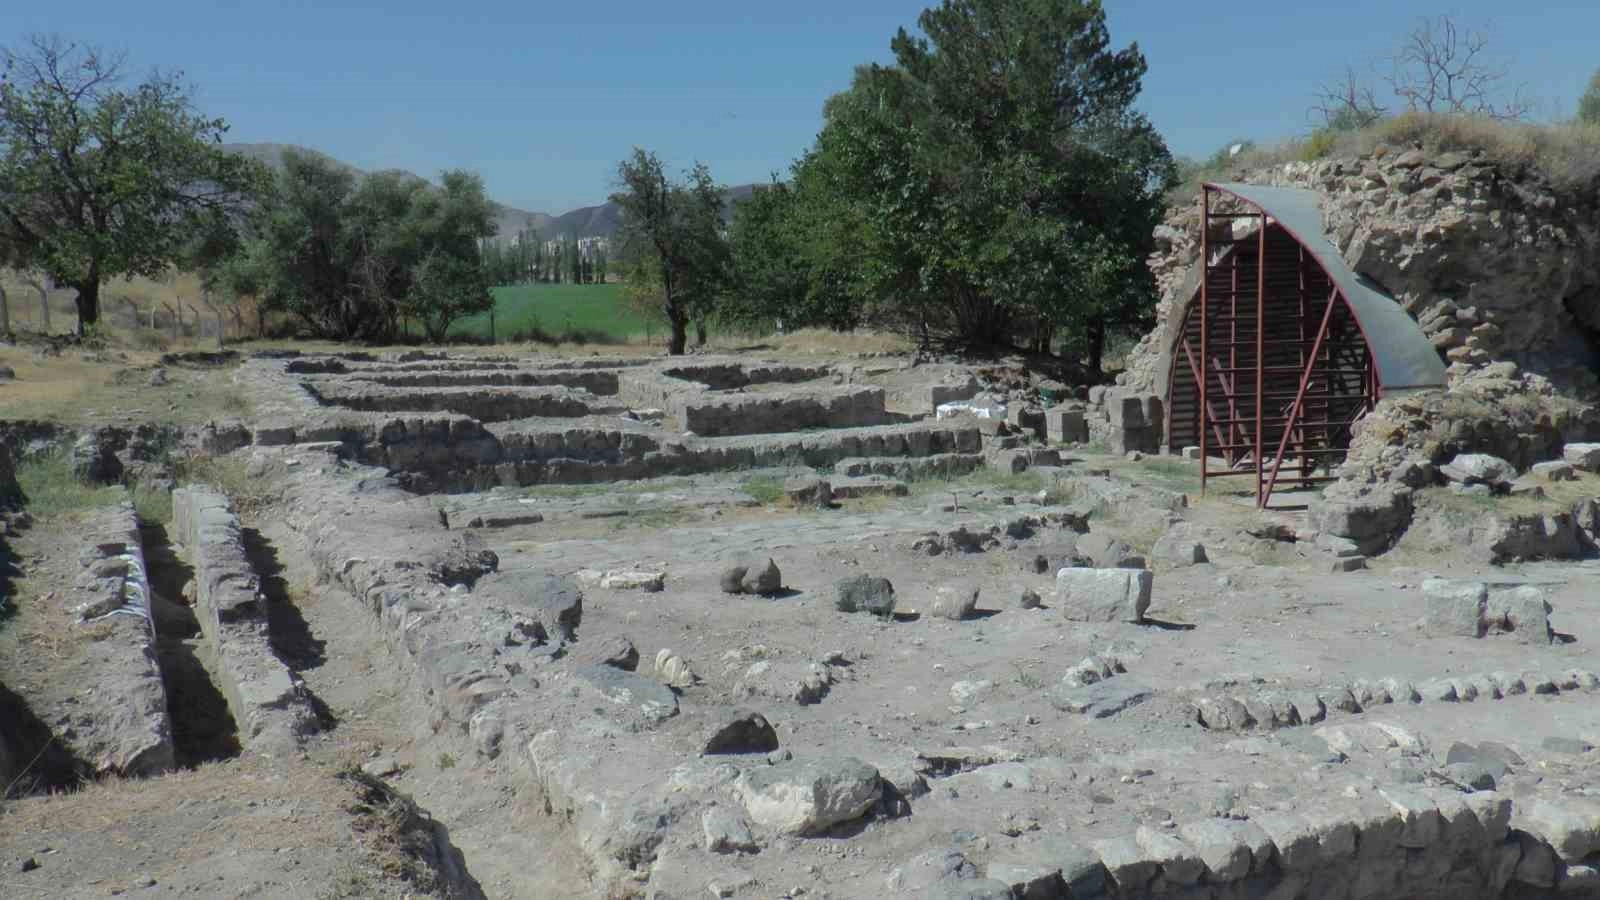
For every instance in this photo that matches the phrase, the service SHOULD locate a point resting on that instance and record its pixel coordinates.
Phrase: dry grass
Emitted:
(76, 388)
(1566, 153)
(1559, 496)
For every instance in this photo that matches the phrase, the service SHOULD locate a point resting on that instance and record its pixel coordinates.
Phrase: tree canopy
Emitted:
(1589, 103)
(349, 257)
(671, 241)
(99, 178)
(995, 187)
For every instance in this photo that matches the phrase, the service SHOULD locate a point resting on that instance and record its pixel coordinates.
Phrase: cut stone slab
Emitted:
(1104, 595)
(652, 699)
(634, 580)
(803, 797)
(1104, 699)
(1064, 425)
(1555, 470)
(1583, 456)
(1522, 611)
(808, 492)
(864, 593)
(1454, 607)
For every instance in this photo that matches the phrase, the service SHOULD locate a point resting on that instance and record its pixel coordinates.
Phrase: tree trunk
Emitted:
(88, 302)
(44, 303)
(1097, 349)
(5, 313)
(700, 332)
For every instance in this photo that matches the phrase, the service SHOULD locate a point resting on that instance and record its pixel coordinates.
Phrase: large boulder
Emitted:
(864, 593)
(1103, 595)
(802, 797)
(1530, 536)
(1371, 515)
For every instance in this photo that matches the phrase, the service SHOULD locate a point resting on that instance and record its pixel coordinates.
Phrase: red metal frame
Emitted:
(1306, 359)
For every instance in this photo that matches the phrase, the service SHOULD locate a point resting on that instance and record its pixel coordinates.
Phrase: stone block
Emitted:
(1522, 611)
(1064, 425)
(1223, 845)
(1555, 470)
(1454, 607)
(1104, 595)
(1125, 411)
(1583, 456)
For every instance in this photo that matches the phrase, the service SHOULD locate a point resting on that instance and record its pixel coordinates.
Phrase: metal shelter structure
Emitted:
(1282, 347)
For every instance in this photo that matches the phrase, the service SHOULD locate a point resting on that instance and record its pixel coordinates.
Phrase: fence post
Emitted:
(491, 326)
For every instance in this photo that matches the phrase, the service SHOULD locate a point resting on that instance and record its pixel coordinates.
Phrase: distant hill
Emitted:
(587, 221)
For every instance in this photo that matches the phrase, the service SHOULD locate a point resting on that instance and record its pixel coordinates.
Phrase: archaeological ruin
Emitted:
(823, 625)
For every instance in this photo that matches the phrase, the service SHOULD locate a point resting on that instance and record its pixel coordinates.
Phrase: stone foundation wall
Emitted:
(716, 414)
(267, 699)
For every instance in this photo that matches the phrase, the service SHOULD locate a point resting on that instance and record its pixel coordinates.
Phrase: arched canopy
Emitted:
(1280, 346)
(1401, 353)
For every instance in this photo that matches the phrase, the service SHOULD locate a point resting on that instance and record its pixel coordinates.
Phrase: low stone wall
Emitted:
(121, 728)
(718, 414)
(600, 382)
(486, 404)
(267, 699)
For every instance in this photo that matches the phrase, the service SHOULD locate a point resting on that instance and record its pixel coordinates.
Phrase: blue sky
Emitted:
(544, 98)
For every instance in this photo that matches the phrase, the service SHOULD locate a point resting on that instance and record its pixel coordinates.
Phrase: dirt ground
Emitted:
(1262, 615)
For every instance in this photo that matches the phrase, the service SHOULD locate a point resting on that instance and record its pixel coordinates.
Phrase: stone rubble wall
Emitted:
(268, 700)
(120, 726)
(486, 404)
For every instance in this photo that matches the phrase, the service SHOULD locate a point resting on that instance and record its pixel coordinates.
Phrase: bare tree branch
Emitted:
(1347, 104)
(1442, 68)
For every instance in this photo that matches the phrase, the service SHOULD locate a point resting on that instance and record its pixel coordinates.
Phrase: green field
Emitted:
(570, 313)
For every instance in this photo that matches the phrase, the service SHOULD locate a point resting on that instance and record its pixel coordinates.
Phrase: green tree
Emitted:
(447, 288)
(100, 179)
(671, 241)
(345, 257)
(1589, 103)
(779, 250)
(995, 187)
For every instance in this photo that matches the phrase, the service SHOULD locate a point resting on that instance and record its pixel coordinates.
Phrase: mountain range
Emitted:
(585, 221)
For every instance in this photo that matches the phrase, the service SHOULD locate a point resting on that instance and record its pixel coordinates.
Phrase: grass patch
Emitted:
(230, 476)
(764, 490)
(558, 313)
(52, 489)
(1468, 509)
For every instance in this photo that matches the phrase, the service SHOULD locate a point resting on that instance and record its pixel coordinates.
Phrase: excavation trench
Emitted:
(203, 729)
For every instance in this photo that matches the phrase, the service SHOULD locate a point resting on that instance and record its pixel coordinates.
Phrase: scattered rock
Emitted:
(752, 577)
(808, 492)
(634, 580)
(954, 601)
(864, 593)
(616, 651)
(725, 831)
(1479, 468)
(673, 670)
(803, 797)
(1177, 549)
(1108, 553)
(748, 732)
(1029, 599)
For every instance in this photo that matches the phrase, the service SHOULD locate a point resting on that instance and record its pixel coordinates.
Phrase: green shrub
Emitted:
(50, 488)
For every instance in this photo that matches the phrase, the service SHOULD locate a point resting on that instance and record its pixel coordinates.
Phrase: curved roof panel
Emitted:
(1404, 356)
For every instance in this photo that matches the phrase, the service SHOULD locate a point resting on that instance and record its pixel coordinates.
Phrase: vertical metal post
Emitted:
(1205, 323)
(1261, 321)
